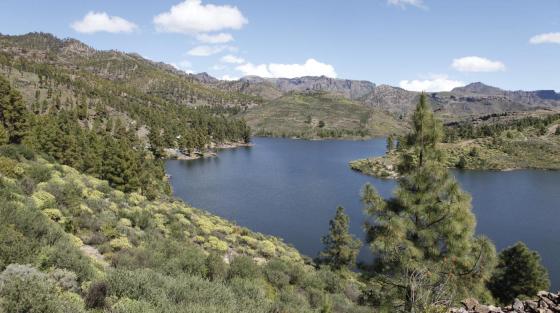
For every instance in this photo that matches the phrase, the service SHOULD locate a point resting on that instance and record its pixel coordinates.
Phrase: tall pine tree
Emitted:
(423, 238)
(341, 248)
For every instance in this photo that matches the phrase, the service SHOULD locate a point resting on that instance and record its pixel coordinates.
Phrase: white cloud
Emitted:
(435, 84)
(95, 22)
(205, 50)
(477, 64)
(232, 59)
(192, 17)
(311, 67)
(227, 77)
(545, 38)
(217, 38)
(404, 3)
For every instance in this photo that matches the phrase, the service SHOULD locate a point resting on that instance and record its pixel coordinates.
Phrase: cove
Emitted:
(291, 188)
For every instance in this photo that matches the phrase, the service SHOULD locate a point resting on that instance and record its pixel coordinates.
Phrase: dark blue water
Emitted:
(291, 188)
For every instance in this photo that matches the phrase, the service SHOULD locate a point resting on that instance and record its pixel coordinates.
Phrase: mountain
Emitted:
(475, 99)
(460, 103)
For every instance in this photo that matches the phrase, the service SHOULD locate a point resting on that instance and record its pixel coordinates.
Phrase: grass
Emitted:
(319, 115)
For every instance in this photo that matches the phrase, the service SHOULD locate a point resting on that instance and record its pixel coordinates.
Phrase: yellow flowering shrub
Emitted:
(43, 199)
(214, 243)
(120, 243)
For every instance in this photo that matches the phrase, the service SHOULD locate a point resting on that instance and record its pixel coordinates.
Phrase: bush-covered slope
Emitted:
(90, 246)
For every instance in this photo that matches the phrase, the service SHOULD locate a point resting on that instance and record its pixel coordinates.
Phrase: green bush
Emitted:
(24, 289)
(216, 267)
(276, 272)
(243, 267)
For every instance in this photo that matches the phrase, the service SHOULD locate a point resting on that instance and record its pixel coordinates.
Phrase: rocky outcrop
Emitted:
(546, 302)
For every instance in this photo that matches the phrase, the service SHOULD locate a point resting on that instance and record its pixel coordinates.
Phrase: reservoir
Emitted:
(291, 188)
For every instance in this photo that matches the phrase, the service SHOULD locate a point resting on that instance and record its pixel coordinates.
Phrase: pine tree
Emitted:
(423, 238)
(519, 273)
(156, 143)
(341, 248)
(13, 113)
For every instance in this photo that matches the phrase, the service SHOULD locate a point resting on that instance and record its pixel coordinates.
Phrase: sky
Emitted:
(431, 45)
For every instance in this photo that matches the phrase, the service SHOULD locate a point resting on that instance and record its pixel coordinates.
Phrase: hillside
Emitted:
(89, 246)
(316, 114)
(114, 88)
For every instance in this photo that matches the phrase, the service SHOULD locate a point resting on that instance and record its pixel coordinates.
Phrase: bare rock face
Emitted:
(546, 302)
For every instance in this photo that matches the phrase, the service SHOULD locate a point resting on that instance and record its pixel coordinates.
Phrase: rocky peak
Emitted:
(478, 88)
(205, 78)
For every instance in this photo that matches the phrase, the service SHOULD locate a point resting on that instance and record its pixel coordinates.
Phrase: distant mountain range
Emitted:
(154, 79)
(473, 99)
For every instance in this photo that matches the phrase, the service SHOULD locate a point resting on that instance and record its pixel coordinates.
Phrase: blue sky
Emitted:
(416, 44)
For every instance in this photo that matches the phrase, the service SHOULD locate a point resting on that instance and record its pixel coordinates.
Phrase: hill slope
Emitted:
(89, 247)
(319, 114)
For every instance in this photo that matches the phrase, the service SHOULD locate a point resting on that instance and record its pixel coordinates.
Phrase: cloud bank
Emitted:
(193, 17)
(477, 64)
(545, 38)
(311, 67)
(94, 22)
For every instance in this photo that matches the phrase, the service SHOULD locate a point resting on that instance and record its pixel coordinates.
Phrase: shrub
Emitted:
(24, 289)
(120, 243)
(275, 272)
(96, 294)
(243, 267)
(65, 279)
(216, 244)
(10, 168)
(39, 173)
(216, 267)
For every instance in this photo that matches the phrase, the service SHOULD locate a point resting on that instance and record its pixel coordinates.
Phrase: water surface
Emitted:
(291, 188)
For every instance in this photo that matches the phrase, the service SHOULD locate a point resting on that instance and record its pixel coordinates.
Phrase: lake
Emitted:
(291, 188)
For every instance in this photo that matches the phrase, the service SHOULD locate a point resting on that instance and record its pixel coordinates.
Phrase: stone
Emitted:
(518, 306)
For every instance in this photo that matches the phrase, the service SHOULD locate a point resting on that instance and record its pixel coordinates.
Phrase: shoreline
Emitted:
(376, 169)
(176, 154)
